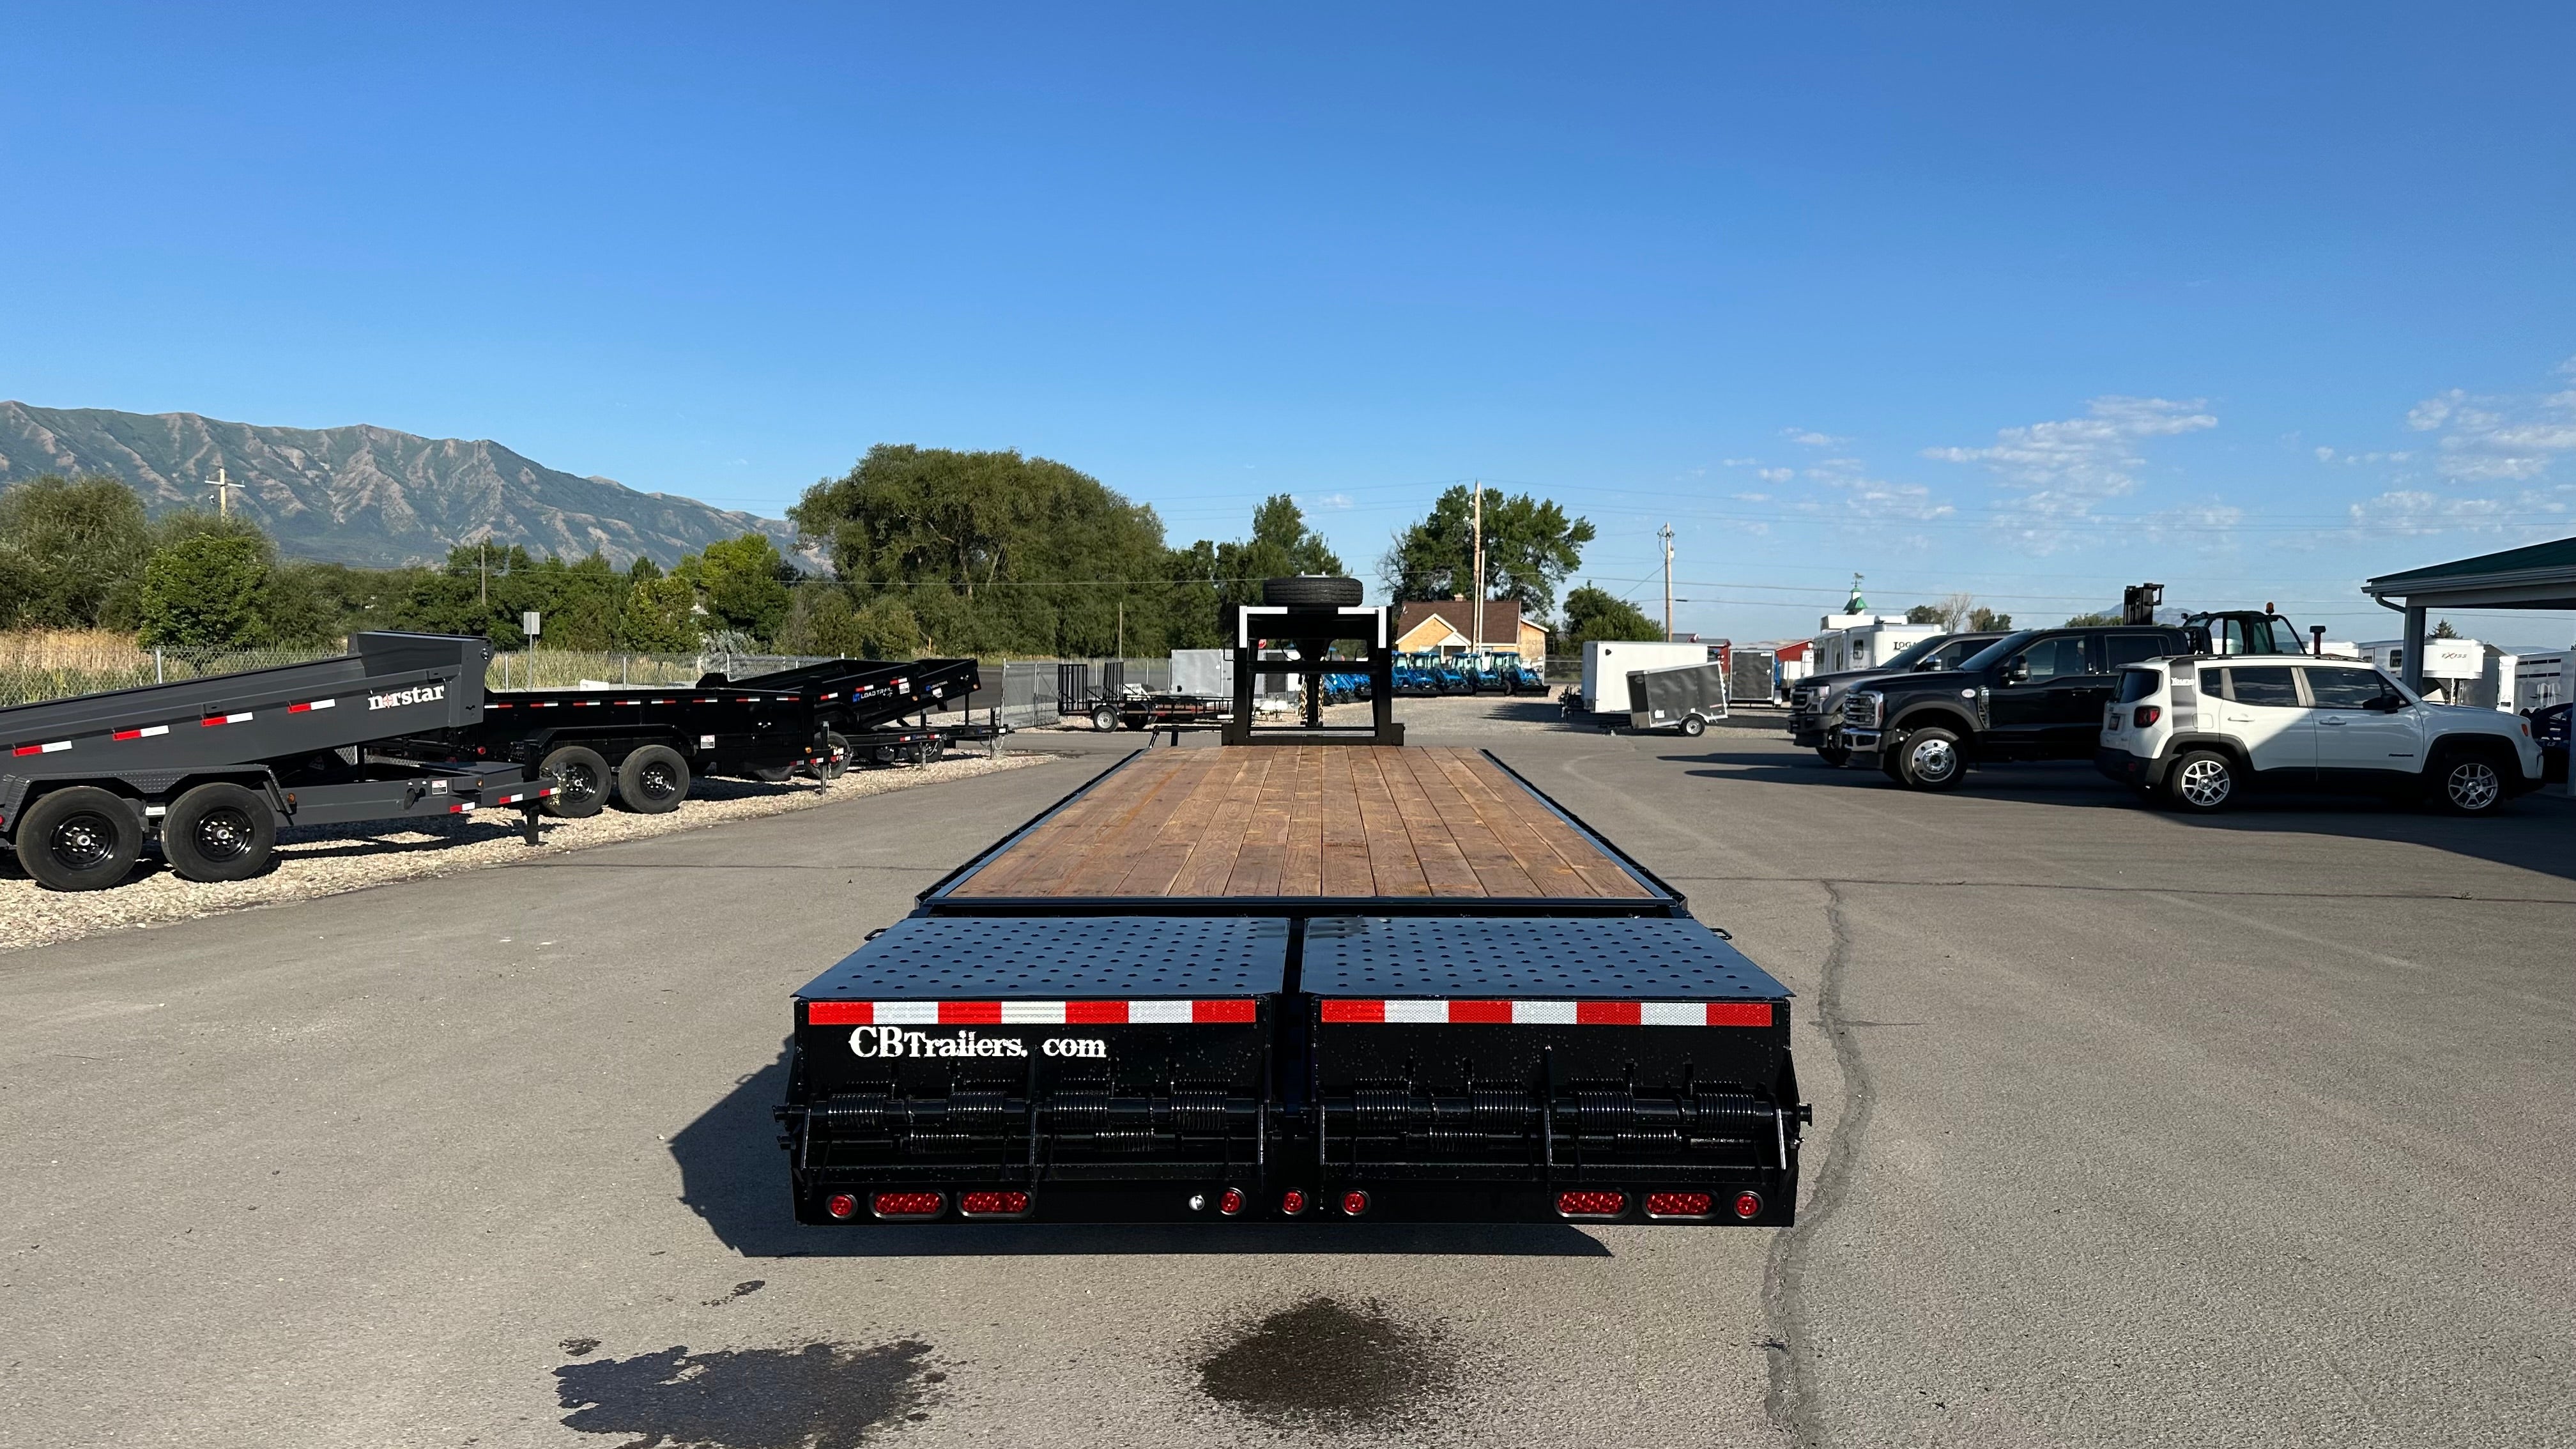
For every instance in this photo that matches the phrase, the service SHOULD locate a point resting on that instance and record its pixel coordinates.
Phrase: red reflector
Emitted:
(1354, 1203)
(1293, 1203)
(993, 1204)
(909, 1204)
(1591, 1204)
(1748, 1204)
(2146, 715)
(840, 1013)
(1231, 1203)
(1678, 1204)
(841, 1205)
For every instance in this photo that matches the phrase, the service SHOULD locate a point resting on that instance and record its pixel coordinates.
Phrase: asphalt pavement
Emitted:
(2131, 1129)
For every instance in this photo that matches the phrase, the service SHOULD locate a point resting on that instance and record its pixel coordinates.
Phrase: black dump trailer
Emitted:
(645, 744)
(211, 767)
(862, 705)
(1251, 983)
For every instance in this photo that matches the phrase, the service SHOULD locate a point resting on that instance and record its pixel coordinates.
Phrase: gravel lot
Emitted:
(326, 860)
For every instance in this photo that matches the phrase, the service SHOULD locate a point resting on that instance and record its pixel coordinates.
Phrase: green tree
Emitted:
(1982, 620)
(658, 616)
(993, 552)
(1924, 614)
(1592, 613)
(2094, 619)
(746, 582)
(2442, 630)
(1530, 547)
(71, 553)
(206, 585)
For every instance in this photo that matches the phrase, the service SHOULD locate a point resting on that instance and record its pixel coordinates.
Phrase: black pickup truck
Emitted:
(2035, 695)
(1815, 702)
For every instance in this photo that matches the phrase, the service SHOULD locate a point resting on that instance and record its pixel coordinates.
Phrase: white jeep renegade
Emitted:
(2202, 730)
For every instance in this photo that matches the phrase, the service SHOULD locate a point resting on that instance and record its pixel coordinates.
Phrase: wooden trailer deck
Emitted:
(1308, 820)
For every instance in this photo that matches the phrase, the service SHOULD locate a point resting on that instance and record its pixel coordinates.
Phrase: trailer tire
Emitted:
(584, 777)
(219, 831)
(1694, 726)
(1312, 591)
(1104, 719)
(652, 780)
(836, 756)
(80, 839)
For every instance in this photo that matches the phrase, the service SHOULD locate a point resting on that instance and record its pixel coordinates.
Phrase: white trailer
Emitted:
(1607, 662)
(1846, 642)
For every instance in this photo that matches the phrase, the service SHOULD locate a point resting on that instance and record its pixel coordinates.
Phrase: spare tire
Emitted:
(1311, 591)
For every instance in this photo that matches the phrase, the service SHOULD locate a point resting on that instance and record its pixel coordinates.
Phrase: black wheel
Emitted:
(2202, 781)
(2468, 785)
(1931, 758)
(773, 774)
(1834, 755)
(80, 839)
(836, 756)
(582, 782)
(219, 832)
(1104, 719)
(652, 780)
(1694, 726)
(1311, 591)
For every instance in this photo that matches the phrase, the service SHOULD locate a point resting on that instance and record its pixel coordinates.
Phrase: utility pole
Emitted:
(1667, 536)
(1122, 628)
(1477, 641)
(483, 567)
(223, 485)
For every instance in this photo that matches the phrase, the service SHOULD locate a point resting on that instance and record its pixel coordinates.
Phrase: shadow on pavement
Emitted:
(733, 1175)
(2536, 832)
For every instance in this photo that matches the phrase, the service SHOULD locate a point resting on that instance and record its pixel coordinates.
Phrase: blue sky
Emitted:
(2021, 301)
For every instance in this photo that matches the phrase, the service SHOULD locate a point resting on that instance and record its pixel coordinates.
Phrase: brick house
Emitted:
(1442, 626)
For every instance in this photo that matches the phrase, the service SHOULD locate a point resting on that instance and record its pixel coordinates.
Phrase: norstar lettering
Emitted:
(417, 694)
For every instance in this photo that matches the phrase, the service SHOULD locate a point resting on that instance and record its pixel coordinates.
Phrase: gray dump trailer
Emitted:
(212, 767)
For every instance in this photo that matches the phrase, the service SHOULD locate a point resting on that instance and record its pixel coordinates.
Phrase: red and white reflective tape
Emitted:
(54, 748)
(1026, 1013)
(311, 705)
(1441, 1012)
(524, 796)
(145, 733)
(461, 808)
(224, 719)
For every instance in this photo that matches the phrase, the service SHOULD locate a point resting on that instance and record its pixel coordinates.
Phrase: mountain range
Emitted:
(366, 495)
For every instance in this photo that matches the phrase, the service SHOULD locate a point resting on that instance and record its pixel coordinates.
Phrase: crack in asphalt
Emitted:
(1793, 1399)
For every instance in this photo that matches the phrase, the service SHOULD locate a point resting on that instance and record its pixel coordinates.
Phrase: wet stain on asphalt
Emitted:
(578, 1347)
(819, 1396)
(740, 1290)
(1327, 1364)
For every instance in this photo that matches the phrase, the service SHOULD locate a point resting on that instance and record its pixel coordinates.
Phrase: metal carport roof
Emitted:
(2536, 576)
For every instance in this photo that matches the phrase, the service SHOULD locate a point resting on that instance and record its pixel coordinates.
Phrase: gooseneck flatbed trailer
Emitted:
(1325, 983)
(212, 767)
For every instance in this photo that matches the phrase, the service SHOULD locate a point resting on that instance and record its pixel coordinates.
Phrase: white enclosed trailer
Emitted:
(1607, 662)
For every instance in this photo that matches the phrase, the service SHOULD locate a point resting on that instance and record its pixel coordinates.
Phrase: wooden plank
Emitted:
(1161, 861)
(1003, 875)
(1394, 870)
(1346, 856)
(1444, 865)
(1537, 823)
(1059, 849)
(1211, 862)
(1108, 855)
(1482, 836)
(1303, 872)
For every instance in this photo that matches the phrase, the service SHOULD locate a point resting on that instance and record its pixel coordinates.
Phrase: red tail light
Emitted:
(1748, 1204)
(994, 1204)
(1293, 1203)
(1231, 1203)
(1678, 1204)
(2145, 715)
(913, 1205)
(841, 1205)
(1354, 1203)
(1591, 1204)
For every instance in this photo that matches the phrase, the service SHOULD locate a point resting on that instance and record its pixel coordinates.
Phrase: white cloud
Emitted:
(2063, 470)
(2498, 439)
(1327, 500)
(1738, 462)
(1873, 500)
(1809, 438)
(1751, 497)
(1776, 475)
(2417, 511)
(2325, 455)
